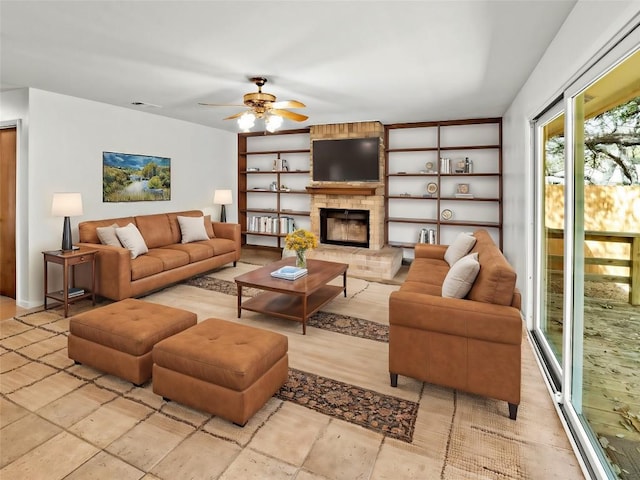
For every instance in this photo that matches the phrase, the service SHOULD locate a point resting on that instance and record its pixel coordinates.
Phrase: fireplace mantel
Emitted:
(340, 190)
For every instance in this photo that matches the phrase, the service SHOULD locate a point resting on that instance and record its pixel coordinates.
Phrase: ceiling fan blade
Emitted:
(221, 104)
(290, 115)
(235, 116)
(288, 104)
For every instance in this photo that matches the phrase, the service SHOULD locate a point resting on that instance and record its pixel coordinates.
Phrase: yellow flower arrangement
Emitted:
(300, 240)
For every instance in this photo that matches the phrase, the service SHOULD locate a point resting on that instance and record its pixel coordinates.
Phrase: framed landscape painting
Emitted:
(135, 178)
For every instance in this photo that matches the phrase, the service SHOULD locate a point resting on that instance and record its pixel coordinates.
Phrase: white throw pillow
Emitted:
(459, 248)
(107, 235)
(131, 238)
(461, 276)
(193, 229)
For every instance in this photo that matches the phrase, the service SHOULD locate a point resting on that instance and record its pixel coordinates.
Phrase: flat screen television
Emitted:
(347, 160)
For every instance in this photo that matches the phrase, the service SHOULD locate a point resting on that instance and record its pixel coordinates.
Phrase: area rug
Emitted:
(385, 414)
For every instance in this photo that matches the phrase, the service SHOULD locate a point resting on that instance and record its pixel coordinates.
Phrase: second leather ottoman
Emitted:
(220, 367)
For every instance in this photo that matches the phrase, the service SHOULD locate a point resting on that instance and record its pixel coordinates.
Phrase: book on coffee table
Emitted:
(289, 273)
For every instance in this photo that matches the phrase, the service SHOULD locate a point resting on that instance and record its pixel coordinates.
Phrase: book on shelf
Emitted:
(270, 224)
(445, 165)
(73, 292)
(289, 273)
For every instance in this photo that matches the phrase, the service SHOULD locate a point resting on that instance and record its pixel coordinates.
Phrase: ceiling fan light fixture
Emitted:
(263, 106)
(246, 121)
(273, 122)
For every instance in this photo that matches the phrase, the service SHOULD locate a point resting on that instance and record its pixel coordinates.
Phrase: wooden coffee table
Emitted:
(292, 299)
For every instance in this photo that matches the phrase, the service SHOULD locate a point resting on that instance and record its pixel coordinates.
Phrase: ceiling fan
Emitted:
(263, 105)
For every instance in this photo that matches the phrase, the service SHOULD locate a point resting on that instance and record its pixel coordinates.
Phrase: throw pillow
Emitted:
(459, 248)
(461, 276)
(209, 226)
(192, 229)
(107, 235)
(131, 238)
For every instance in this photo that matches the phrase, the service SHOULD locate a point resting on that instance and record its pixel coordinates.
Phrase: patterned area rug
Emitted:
(388, 415)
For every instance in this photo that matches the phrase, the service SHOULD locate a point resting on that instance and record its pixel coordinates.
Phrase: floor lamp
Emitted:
(222, 198)
(66, 205)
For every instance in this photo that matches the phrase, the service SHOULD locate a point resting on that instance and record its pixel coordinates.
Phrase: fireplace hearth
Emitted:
(347, 227)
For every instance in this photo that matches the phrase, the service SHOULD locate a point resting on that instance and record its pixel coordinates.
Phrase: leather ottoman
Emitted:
(118, 338)
(220, 367)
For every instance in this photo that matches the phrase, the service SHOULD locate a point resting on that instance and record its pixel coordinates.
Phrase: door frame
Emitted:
(553, 365)
(22, 220)
(9, 215)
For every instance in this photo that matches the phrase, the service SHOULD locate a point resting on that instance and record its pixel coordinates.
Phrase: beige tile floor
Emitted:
(80, 424)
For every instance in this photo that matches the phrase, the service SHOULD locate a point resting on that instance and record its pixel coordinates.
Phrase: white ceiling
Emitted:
(348, 61)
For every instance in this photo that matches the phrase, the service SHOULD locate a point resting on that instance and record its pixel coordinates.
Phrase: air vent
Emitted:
(145, 105)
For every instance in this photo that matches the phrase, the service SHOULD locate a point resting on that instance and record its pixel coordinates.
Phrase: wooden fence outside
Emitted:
(632, 262)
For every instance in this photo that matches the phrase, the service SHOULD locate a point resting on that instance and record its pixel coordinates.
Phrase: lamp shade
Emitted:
(222, 197)
(66, 205)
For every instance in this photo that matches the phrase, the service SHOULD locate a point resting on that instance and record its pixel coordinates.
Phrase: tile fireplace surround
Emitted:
(377, 261)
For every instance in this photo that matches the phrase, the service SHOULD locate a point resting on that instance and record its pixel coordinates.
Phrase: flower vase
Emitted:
(301, 259)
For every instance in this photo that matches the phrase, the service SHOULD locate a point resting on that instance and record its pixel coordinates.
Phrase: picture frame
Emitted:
(463, 189)
(130, 177)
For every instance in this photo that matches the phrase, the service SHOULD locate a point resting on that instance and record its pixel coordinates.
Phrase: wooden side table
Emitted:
(69, 260)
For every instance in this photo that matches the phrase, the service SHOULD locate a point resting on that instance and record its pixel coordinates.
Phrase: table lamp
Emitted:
(66, 205)
(222, 198)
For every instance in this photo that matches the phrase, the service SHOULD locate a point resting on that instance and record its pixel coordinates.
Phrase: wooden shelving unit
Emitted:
(406, 142)
(245, 191)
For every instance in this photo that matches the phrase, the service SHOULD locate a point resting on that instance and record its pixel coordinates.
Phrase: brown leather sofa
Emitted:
(168, 261)
(471, 344)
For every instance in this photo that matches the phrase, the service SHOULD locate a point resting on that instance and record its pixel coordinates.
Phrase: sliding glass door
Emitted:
(605, 390)
(587, 319)
(550, 190)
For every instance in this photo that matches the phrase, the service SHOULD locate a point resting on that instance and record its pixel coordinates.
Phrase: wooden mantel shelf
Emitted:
(340, 190)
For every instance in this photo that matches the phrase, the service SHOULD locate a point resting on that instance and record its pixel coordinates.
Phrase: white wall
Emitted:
(588, 29)
(66, 138)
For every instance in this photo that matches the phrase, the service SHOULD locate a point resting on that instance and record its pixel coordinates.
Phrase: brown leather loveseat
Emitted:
(472, 343)
(167, 261)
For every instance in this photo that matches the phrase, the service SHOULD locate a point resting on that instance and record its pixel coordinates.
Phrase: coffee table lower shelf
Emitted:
(291, 307)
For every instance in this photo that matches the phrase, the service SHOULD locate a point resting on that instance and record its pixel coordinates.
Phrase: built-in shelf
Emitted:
(410, 197)
(274, 172)
(411, 220)
(267, 190)
(273, 191)
(410, 174)
(409, 146)
(263, 234)
(300, 213)
(275, 152)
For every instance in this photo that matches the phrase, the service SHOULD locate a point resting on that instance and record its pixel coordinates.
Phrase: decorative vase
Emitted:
(301, 259)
